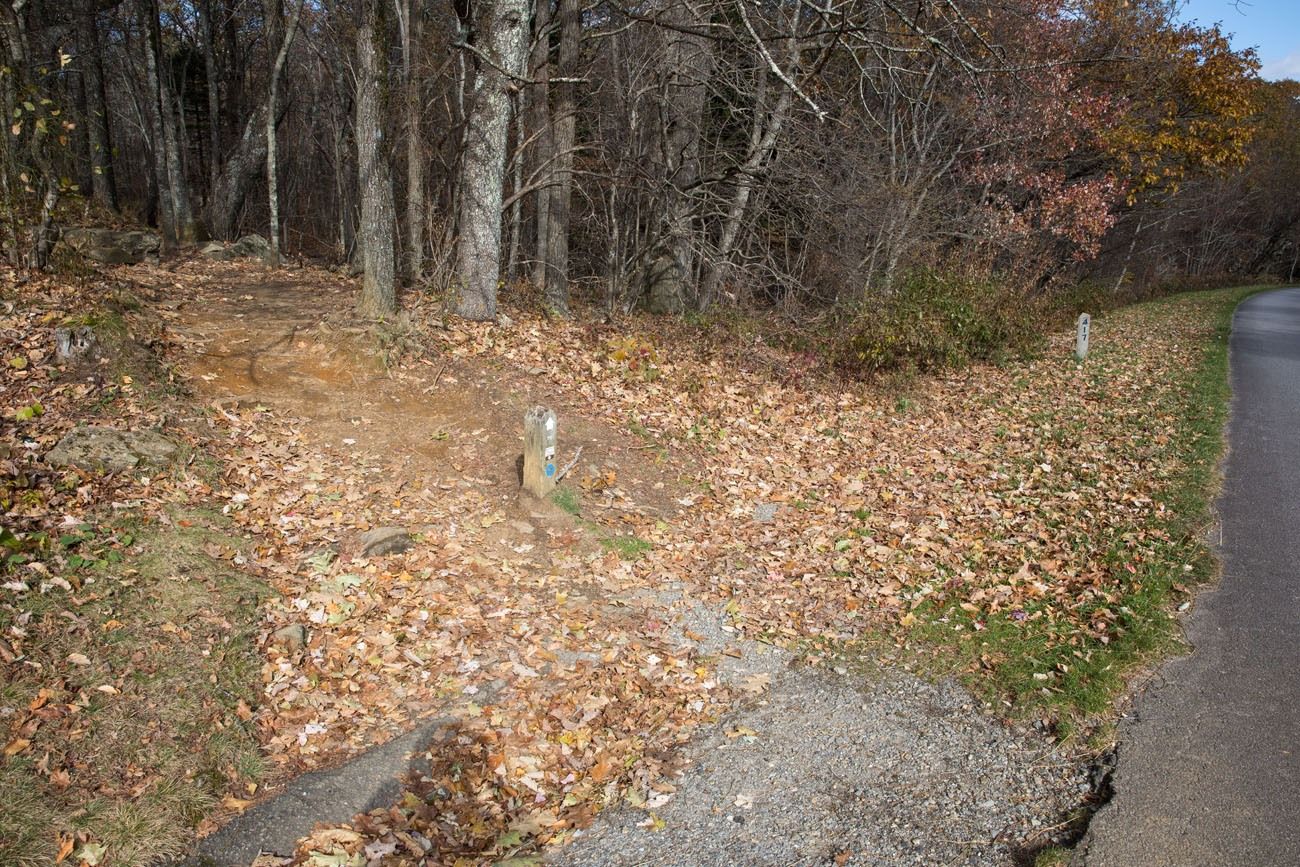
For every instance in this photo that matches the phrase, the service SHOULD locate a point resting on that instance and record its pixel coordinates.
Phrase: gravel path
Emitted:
(824, 769)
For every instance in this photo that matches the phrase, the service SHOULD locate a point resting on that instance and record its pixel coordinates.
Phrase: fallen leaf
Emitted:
(235, 805)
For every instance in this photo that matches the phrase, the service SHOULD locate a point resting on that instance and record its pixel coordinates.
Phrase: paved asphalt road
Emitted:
(1209, 763)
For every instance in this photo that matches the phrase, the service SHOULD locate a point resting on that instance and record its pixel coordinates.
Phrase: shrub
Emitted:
(931, 321)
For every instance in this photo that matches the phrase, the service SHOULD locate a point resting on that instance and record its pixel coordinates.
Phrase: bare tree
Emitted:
(378, 217)
(273, 104)
(410, 19)
(483, 164)
(102, 178)
(557, 195)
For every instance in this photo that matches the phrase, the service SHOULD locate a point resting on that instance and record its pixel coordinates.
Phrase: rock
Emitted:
(385, 540)
(111, 247)
(523, 527)
(111, 450)
(765, 513)
(73, 343)
(247, 247)
(292, 637)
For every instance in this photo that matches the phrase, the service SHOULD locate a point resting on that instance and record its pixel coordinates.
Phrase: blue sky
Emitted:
(1272, 27)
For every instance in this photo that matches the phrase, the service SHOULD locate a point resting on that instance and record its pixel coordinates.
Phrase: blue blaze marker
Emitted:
(550, 470)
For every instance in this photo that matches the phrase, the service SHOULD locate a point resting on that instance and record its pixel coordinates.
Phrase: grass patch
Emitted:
(567, 500)
(134, 693)
(1032, 660)
(1053, 856)
(627, 547)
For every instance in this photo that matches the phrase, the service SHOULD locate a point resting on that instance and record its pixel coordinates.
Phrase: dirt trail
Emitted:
(533, 604)
(277, 340)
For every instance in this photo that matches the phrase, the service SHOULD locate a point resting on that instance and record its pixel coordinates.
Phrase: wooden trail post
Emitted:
(540, 437)
(1081, 341)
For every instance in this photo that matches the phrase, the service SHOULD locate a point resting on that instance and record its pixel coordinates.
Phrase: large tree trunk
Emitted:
(559, 195)
(688, 64)
(103, 175)
(539, 125)
(213, 77)
(378, 289)
(412, 33)
(240, 171)
(273, 104)
(178, 222)
(478, 251)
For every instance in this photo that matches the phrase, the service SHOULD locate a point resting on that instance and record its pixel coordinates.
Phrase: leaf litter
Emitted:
(997, 488)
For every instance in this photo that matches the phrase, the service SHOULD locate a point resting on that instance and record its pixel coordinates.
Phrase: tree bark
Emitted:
(763, 137)
(517, 184)
(539, 123)
(416, 216)
(178, 219)
(213, 76)
(147, 12)
(378, 218)
(560, 194)
(483, 166)
(103, 178)
(688, 64)
(240, 171)
(272, 166)
(345, 172)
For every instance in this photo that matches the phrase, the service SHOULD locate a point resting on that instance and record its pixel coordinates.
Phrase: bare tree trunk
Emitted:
(542, 152)
(178, 219)
(483, 166)
(214, 95)
(103, 183)
(559, 196)
(412, 20)
(378, 218)
(688, 65)
(154, 109)
(345, 174)
(273, 104)
(240, 171)
(1128, 257)
(43, 234)
(517, 184)
(763, 137)
(187, 229)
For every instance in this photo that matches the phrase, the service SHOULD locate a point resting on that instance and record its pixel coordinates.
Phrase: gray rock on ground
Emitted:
(385, 540)
(292, 637)
(113, 247)
(110, 450)
(247, 247)
(73, 343)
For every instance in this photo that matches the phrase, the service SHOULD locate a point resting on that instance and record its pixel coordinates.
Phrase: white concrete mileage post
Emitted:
(1081, 341)
(541, 435)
